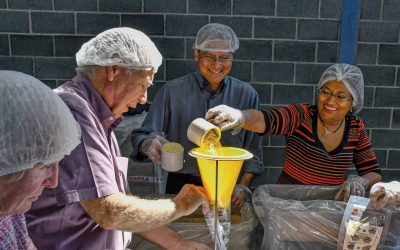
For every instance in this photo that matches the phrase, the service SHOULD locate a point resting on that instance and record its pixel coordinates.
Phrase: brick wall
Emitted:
(284, 47)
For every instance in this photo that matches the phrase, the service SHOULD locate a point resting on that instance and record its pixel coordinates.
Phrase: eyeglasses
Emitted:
(212, 59)
(340, 97)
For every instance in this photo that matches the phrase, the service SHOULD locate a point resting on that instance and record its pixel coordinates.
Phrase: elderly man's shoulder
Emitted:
(72, 98)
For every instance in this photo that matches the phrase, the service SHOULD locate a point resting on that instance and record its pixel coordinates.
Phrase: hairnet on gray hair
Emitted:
(352, 78)
(36, 125)
(125, 47)
(216, 37)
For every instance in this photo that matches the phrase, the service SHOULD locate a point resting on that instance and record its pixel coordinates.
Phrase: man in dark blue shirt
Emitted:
(184, 99)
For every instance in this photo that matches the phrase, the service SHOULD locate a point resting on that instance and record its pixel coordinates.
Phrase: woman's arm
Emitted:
(254, 120)
(372, 178)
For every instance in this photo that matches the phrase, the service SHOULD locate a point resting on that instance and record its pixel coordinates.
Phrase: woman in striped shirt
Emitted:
(323, 140)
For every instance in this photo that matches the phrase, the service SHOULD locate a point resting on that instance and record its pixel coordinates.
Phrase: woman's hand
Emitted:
(225, 117)
(354, 185)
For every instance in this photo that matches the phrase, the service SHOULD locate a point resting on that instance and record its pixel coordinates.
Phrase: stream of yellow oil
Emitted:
(211, 143)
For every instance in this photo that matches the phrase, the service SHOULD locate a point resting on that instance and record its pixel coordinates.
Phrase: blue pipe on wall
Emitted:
(349, 31)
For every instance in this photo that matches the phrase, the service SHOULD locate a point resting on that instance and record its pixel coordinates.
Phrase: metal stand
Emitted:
(160, 179)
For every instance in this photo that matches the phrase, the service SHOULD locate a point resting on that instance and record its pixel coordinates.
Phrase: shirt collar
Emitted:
(204, 85)
(100, 108)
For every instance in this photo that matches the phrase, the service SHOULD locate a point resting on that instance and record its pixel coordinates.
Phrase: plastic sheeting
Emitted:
(194, 228)
(306, 217)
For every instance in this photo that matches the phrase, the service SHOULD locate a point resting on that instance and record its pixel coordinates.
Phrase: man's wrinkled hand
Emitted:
(189, 199)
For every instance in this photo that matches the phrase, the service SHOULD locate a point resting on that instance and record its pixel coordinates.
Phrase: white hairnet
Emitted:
(36, 125)
(352, 78)
(216, 37)
(120, 46)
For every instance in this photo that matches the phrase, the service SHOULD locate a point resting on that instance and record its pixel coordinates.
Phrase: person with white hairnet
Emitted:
(322, 141)
(91, 207)
(184, 99)
(31, 145)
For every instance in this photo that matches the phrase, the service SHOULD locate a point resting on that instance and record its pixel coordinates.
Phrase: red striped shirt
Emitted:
(306, 160)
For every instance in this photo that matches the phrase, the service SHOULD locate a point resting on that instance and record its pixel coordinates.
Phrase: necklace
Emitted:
(327, 132)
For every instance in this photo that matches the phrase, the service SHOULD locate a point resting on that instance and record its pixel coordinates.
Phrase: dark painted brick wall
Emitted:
(285, 45)
(30, 4)
(41, 20)
(283, 28)
(4, 45)
(24, 45)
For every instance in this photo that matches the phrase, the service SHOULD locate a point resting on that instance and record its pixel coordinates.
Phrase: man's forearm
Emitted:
(163, 236)
(130, 213)
(247, 178)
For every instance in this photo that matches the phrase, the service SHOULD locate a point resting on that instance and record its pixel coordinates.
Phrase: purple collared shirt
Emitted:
(93, 170)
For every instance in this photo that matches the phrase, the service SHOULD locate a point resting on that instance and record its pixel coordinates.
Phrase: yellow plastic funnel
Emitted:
(230, 161)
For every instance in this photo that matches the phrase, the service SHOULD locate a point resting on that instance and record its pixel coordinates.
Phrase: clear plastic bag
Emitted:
(298, 216)
(365, 228)
(193, 227)
(308, 217)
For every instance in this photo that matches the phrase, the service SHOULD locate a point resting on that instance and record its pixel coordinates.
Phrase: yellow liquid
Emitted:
(211, 143)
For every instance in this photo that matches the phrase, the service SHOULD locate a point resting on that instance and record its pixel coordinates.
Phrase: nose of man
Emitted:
(217, 63)
(52, 180)
(143, 98)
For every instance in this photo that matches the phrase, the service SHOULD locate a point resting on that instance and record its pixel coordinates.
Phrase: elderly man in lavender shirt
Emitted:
(90, 208)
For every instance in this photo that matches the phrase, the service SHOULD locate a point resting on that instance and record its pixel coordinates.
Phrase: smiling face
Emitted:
(213, 66)
(17, 196)
(334, 102)
(127, 89)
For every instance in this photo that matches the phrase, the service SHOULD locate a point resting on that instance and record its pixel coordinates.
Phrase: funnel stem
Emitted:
(215, 207)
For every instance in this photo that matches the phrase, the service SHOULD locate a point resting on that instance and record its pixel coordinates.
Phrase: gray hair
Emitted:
(14, 177)
(89, 71)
